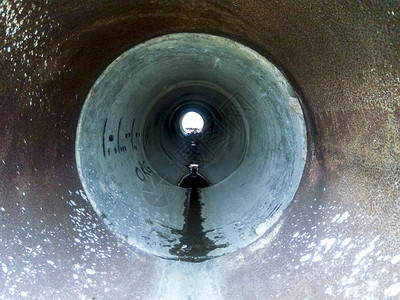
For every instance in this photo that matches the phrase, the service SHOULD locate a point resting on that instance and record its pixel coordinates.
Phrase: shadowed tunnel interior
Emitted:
(131, 152)
(300, 101)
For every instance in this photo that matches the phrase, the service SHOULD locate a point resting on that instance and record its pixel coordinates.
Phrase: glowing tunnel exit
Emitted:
(192, 122)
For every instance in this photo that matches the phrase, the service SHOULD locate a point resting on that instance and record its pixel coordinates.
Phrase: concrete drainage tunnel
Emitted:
(287, 187)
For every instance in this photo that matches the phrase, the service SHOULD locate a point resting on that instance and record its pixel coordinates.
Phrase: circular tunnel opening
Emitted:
(134, 147)
(192, 123)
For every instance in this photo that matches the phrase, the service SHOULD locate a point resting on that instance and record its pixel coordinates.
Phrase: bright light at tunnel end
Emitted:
(192, 122)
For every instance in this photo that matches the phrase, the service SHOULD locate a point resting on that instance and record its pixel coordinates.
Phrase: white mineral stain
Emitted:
(395, 259)
(339, 218)
(317, 257)
(4, 267)
(345, 242)
(327, 243)
(338, 254)
(335, 218)
(372, 285)
(366, 251)
(343, 217)
(329, 291)
(264, 240)
(305, 257)
(392, 290)
(90, 271)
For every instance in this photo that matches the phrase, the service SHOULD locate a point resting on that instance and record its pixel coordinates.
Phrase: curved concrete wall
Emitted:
(131, 154)
(339, 237)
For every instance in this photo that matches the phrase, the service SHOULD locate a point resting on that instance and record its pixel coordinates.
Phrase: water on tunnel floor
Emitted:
(194, 245)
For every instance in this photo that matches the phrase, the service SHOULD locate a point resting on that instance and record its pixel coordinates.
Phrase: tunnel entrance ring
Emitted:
(131, 152)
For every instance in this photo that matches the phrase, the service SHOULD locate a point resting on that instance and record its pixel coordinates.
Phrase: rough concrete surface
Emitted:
(339, 237)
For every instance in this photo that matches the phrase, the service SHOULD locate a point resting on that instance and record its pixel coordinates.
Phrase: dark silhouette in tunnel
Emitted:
(194, 244)
(194, 180)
